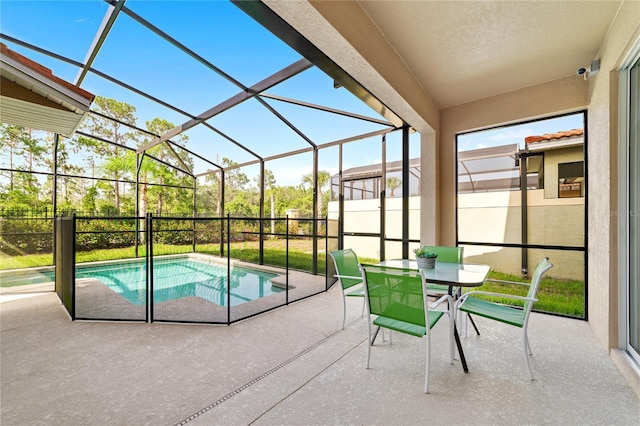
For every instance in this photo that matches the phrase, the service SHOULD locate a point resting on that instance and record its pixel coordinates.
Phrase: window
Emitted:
(535, 171)
(509, 214)
(628, 210)
(570, 179)
(362, 189)
(633, 212)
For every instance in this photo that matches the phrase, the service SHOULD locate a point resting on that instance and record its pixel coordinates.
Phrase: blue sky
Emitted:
(517, 133)
(225, 36)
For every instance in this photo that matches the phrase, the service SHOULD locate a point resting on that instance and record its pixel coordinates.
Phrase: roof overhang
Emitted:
(555, 144)
(31, 96)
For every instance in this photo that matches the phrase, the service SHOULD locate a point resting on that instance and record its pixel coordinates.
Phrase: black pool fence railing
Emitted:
(114, 274)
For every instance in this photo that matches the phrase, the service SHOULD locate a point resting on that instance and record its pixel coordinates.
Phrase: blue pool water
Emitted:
(26, 278)
(176, 278)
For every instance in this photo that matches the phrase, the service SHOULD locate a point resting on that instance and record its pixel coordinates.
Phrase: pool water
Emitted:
(26, 278)
(173, 278)
(176, 278)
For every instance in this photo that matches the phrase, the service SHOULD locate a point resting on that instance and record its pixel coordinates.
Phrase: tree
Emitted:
(233, 178)
(236, 191)
(269, 186)
(152, 171)
(244, 204)
(20, 144)
(33, 148)
(10, 141)
(68, 186)
(269, 190)
(393, 183)
(294, 197)
(112, 131)
(208, 195)
(323, 180)
(89, 199)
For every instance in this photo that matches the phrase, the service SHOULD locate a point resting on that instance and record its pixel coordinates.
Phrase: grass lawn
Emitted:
(565, 297)
(557, 296)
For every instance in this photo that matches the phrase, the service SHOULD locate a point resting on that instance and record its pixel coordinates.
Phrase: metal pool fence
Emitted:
(193, 270)
(24, 232)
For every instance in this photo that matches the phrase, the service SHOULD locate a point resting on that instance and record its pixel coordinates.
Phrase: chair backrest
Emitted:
(395, 293)
(536, 278)
(347, 267)
(446, 254)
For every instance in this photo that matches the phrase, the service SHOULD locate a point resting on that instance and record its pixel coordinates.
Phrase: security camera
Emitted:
(589, 71)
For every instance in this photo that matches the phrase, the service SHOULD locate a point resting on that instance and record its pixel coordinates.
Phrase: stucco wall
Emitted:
(489, 217)
(364, 216)
(572, 93)
(495, 217)
(555, 97)
(602, 152)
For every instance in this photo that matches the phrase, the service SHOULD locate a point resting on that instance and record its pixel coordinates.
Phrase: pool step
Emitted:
(281, 282)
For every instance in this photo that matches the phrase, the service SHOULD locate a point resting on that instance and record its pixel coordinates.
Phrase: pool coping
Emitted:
(280, 281)
(199, 256)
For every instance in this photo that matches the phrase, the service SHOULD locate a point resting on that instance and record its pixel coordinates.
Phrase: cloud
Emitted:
(511, 134)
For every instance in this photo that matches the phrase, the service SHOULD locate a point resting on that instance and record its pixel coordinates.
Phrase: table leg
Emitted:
(460, 351)
(457, 337)
(473, 323)
(375, 335)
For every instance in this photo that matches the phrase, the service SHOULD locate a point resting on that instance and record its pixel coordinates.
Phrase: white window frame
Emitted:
(624, 77)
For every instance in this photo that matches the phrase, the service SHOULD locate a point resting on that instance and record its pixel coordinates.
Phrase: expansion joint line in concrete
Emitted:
(256, 380)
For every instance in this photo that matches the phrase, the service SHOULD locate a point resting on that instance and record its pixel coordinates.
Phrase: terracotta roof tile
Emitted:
(552, 136)
(45, 72)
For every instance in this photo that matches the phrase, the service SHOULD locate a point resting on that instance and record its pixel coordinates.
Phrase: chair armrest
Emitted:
(349, 277)
(491, 280)
(489, 293)
(445, 298)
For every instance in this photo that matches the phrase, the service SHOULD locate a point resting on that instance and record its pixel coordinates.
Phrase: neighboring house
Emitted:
(489, 202)
(493, 209)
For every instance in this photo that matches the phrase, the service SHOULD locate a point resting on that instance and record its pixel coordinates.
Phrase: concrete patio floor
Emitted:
(295, 366)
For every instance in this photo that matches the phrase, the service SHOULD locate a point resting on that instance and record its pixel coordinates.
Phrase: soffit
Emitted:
(36, 116)
(33, 97)
(465, 51)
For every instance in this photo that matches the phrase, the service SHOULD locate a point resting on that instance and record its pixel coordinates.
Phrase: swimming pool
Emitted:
(173, 278)
(177, 278)
(29, 276)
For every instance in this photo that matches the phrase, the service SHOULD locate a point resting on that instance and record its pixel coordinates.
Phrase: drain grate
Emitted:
(254, 381)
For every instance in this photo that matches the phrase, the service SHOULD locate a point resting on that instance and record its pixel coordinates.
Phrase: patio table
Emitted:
(451, 275)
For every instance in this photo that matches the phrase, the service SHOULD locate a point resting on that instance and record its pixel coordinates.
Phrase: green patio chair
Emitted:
(348, 274)
(448, 255)
(504, 313)
(397, 296)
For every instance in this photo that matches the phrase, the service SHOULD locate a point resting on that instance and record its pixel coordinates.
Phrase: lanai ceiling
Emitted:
(457, 51)
(451, 52)
(468, 50)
